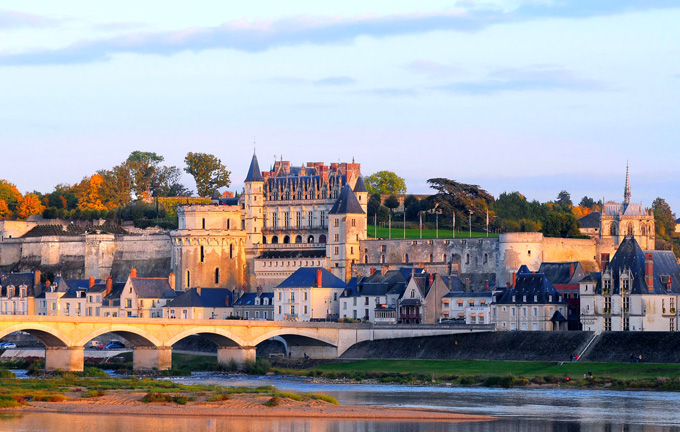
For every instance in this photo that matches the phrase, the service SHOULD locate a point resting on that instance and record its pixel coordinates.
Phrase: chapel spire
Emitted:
(626, 190)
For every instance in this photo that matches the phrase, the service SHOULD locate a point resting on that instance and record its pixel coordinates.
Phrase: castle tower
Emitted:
(347, 226)
(361, 193)
(253, 200)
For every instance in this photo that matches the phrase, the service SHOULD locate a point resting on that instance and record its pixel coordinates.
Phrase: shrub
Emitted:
(180, 399)
(218, 397)
(50, 397)
(6, 373)
(274, 401)
(259, 367)
(93, 372)
(93, 393)
(153, 397)
(10, 402)
(324, 398)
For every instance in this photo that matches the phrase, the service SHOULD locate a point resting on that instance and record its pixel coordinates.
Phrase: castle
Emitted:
(287, 218)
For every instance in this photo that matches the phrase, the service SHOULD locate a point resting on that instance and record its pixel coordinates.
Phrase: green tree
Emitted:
(208, 171)
(664, 218)
(392, 202)
(459, 197)
(117, 187)
(511, 205)
(587, 201)
(143, 167)
(373, 206)
(412, 207)
(561, 224)
(166, 183)
(385, 182)
(564, 199)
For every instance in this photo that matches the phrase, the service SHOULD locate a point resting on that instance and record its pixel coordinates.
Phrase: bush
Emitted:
(218, 397)
(6, 373)
(50, 397)
(10, 402)
(324, 398)
(258, 367)
(93, 372)
(93, 393)
(274, 401)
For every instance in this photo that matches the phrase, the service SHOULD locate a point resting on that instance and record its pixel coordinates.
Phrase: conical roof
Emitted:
(254, 173)
(360, 186)
(347, 203)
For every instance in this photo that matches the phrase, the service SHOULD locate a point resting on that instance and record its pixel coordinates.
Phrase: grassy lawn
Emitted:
(627, 371)
(414, 233)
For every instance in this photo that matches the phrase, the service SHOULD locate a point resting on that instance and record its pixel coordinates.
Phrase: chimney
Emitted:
(372, 270)
(228, 297)
(171, 280)
(507, 285)
(133, 273)
(604, 261)
(319, 278)
(36, 278)
(572, 269)
(383, 270)
(109, 286)
(47, 283)
(431, 278)
(486, 285)
(649, 271)
(90, 283)
(467, 284)
(514, 278)
(198, 290)
(259, 288)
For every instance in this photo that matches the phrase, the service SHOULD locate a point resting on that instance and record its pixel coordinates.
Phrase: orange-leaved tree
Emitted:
(29, 205)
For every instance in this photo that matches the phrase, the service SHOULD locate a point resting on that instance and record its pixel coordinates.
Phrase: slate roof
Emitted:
(456, 294)
(346, 203)
(113, 299)
(393, 282)
(359, 186)
(248, 299)
(80, 283)
(558, 273)
(229, 201)
(152, 288)
(208, 298)
(630, 256)
(18, 279)
(306, 277)
(254, 173)
(531, 285)
(591, 220)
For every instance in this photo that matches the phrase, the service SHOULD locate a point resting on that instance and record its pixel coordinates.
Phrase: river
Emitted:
(517, 410)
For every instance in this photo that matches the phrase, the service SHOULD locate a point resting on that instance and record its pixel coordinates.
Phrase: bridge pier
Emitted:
(68, 359)
(313, 351)
(148, 358)
(240, 354)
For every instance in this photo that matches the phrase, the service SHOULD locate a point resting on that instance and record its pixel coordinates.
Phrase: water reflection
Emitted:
(109, 423)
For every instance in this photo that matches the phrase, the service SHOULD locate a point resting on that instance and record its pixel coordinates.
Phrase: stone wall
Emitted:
(98, 255)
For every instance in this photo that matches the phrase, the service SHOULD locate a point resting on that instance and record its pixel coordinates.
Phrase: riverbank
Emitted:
(132, 396)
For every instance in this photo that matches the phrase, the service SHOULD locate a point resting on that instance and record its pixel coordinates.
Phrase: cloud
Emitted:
(335, 81)
(538, 78)
(390, 92)
(431, 68)
(13, 19)
(257, 36)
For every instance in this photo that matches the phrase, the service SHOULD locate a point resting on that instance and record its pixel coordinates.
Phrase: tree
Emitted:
(385, 182)
(29, 205)
(208, 172)
(10, 194)
(459, 197)
(664, 219)
(143, 167)
(511, 205)
(560, 224)
(5, 212)
(117, 186)
(392, 202)
(587, 201)
(166, 183)
(373, 206)
(89, 194)
(411, 207)
(564, 199)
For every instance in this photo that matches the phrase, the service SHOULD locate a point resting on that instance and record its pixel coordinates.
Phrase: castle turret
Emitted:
(361, 193)
(347, 226)
(253, 200)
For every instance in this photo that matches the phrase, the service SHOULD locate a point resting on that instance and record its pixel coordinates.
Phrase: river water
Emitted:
(517, 410)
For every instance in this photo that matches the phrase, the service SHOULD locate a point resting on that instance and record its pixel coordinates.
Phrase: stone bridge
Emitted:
(152, 338)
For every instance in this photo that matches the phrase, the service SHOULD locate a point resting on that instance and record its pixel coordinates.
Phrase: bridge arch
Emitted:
(219, 337)
(47, 335)
(137, 336)
(297, 337)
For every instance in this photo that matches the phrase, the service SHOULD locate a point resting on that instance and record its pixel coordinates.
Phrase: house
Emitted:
(375, 298)
(257, 306)
(145, 297)
(76, 301)
(467, 307)
(111, 299)
(309, 294)
(18, 292)
(49, 301)
(201, 303)
(421, 302)
(637, 291)
(531, 303)
(565, 277)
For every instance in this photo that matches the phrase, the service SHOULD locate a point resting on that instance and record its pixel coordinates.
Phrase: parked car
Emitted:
(115, 345)
(8, 345)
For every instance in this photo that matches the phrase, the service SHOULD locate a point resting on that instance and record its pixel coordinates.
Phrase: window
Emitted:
(335, 296)
(203, 223)
(305, 309)
(486, 258)
(188, 278)
(202, 254)
(336, 250)
(354, 223)
(607, 324)
(292, 310)
(128, 303)
(217, 275)
(305, 295)
(467, 258)
(231, 251)
(336, 222)
(336, 237)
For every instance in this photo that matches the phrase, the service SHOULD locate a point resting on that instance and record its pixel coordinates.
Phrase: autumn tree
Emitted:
(116, 188)
(385, 182)
(89, 193)
(664, 219)
(5, 212)
(208, 171)
(10, 195)
(29, 205)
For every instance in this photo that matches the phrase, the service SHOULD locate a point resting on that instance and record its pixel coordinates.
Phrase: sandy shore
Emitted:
(240, 406)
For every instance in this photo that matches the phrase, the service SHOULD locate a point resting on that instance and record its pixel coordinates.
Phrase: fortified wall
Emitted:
(480, 259)
(82, 256)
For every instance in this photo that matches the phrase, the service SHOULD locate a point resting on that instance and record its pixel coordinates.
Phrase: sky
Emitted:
(534, 96)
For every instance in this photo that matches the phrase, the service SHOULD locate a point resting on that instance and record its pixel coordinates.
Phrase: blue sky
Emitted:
(536, 96)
